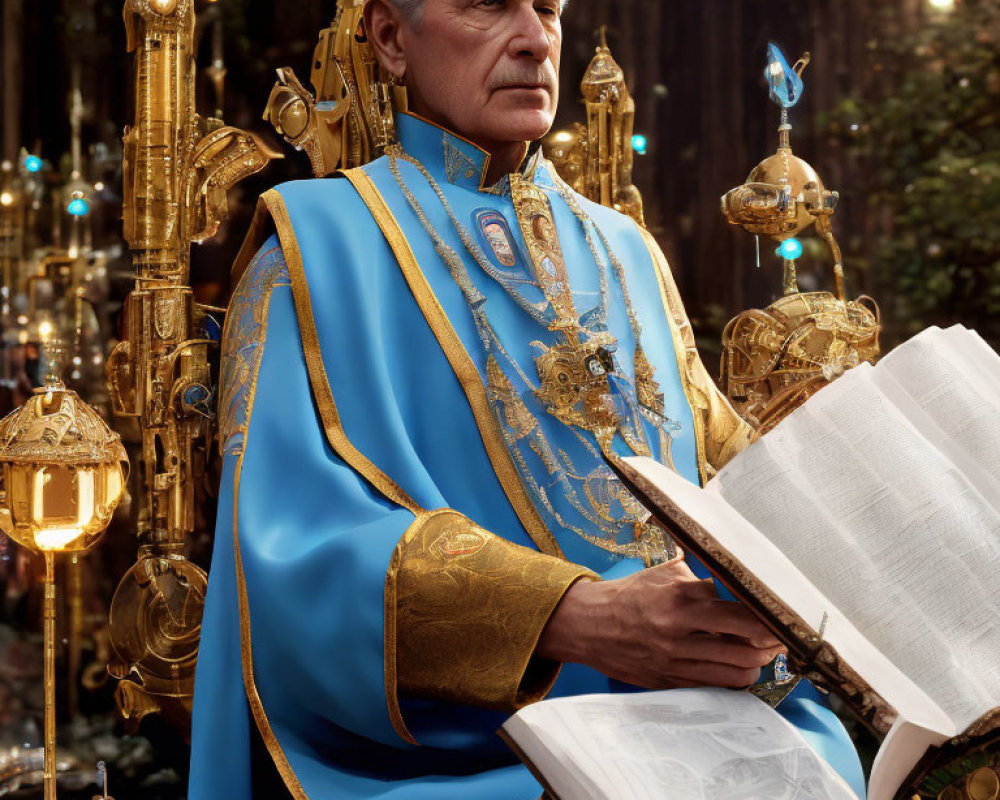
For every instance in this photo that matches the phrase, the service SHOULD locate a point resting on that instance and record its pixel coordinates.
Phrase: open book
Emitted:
(865, 532)
(685, 744)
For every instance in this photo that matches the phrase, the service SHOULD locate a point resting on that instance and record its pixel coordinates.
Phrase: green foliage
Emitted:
(927, 132)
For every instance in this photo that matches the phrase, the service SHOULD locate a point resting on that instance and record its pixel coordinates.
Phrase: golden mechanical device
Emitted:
(597, 159)
(62, 477)
(349, 120)
(774, 360)
(179, 167)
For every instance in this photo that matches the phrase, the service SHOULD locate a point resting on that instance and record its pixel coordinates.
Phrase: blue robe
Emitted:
(357, 428)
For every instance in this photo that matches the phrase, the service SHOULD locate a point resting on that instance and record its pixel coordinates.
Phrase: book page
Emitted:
(948, 383)
(972, 348)
(694, 508)
(889, 530)
(686, 744)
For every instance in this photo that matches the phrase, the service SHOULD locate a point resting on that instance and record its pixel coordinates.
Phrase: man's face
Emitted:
(486, 69)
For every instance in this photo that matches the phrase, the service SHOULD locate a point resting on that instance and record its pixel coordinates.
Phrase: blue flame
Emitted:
(783, 82)
(640, 144)
(33, 164)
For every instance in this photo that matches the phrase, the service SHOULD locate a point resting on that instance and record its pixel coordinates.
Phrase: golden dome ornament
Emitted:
(775, 359)
(63, 475)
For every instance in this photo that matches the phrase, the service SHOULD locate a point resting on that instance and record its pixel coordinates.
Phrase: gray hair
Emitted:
(413, 10)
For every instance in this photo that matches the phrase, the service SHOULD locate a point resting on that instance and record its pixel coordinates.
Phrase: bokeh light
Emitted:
(78, 207)
(790, 249)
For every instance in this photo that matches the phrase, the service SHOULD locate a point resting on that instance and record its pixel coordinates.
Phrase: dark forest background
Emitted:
(899, 115)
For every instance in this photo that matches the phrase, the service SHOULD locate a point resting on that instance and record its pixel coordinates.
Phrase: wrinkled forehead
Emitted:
(413, 8)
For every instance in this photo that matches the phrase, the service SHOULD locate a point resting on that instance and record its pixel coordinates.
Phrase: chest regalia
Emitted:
(549, 321)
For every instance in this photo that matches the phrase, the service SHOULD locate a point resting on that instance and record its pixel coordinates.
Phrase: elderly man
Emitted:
(424, 364)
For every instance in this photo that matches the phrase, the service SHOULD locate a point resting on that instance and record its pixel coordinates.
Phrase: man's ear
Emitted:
(384, 25)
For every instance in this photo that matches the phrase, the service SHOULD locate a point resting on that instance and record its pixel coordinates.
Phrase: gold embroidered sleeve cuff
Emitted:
(464, 612)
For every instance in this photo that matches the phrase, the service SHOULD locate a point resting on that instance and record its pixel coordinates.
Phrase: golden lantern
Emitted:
(62, 477)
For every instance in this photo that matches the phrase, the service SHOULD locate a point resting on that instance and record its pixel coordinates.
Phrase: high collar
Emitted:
(453, 157)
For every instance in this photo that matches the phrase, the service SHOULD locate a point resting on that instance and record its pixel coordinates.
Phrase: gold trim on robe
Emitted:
(461, 362)
(335, 434)
(530, 584)
(246, 645)
(720, 432)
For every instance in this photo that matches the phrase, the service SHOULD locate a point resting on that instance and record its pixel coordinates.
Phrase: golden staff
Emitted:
(179, 167)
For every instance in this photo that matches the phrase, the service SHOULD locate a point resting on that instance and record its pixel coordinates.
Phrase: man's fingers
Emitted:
(727, 651)
(723, 616)
(708, 673)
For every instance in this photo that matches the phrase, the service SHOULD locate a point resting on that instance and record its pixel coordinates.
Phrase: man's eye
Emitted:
(548, 9)
(489, 3)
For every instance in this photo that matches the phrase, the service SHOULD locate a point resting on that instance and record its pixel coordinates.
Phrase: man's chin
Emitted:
(519, 125)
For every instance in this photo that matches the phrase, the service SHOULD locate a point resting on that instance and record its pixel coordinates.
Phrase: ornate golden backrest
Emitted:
(179, 167)
(597, 159)
(348, 121)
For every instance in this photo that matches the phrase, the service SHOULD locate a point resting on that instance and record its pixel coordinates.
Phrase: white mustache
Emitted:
(545, 76)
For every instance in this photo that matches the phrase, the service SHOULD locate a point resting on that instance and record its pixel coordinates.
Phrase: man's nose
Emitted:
(530, 37)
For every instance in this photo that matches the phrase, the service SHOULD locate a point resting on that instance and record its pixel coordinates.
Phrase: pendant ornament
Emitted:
(579, 381)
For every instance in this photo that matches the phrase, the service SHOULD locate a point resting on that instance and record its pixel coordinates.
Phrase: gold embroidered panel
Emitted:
(243, 342)
(468, 608)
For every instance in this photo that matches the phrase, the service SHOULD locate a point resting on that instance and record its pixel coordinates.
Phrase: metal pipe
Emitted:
(49, 620)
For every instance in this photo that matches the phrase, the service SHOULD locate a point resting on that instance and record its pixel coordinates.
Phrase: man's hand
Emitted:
(662, 628)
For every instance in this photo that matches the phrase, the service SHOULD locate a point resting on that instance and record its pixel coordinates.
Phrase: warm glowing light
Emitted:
(943, 5)
(562, 137)
(45, 330)
(99, 186)
(163, 7)
(56, 538)
(6, 199)
(49, 506)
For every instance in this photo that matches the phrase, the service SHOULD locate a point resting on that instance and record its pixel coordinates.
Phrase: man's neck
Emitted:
(504, 159)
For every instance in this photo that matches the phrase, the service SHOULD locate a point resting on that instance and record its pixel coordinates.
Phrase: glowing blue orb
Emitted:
(790, 249)
(78, 207)
(639, 144)
(33, 164)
